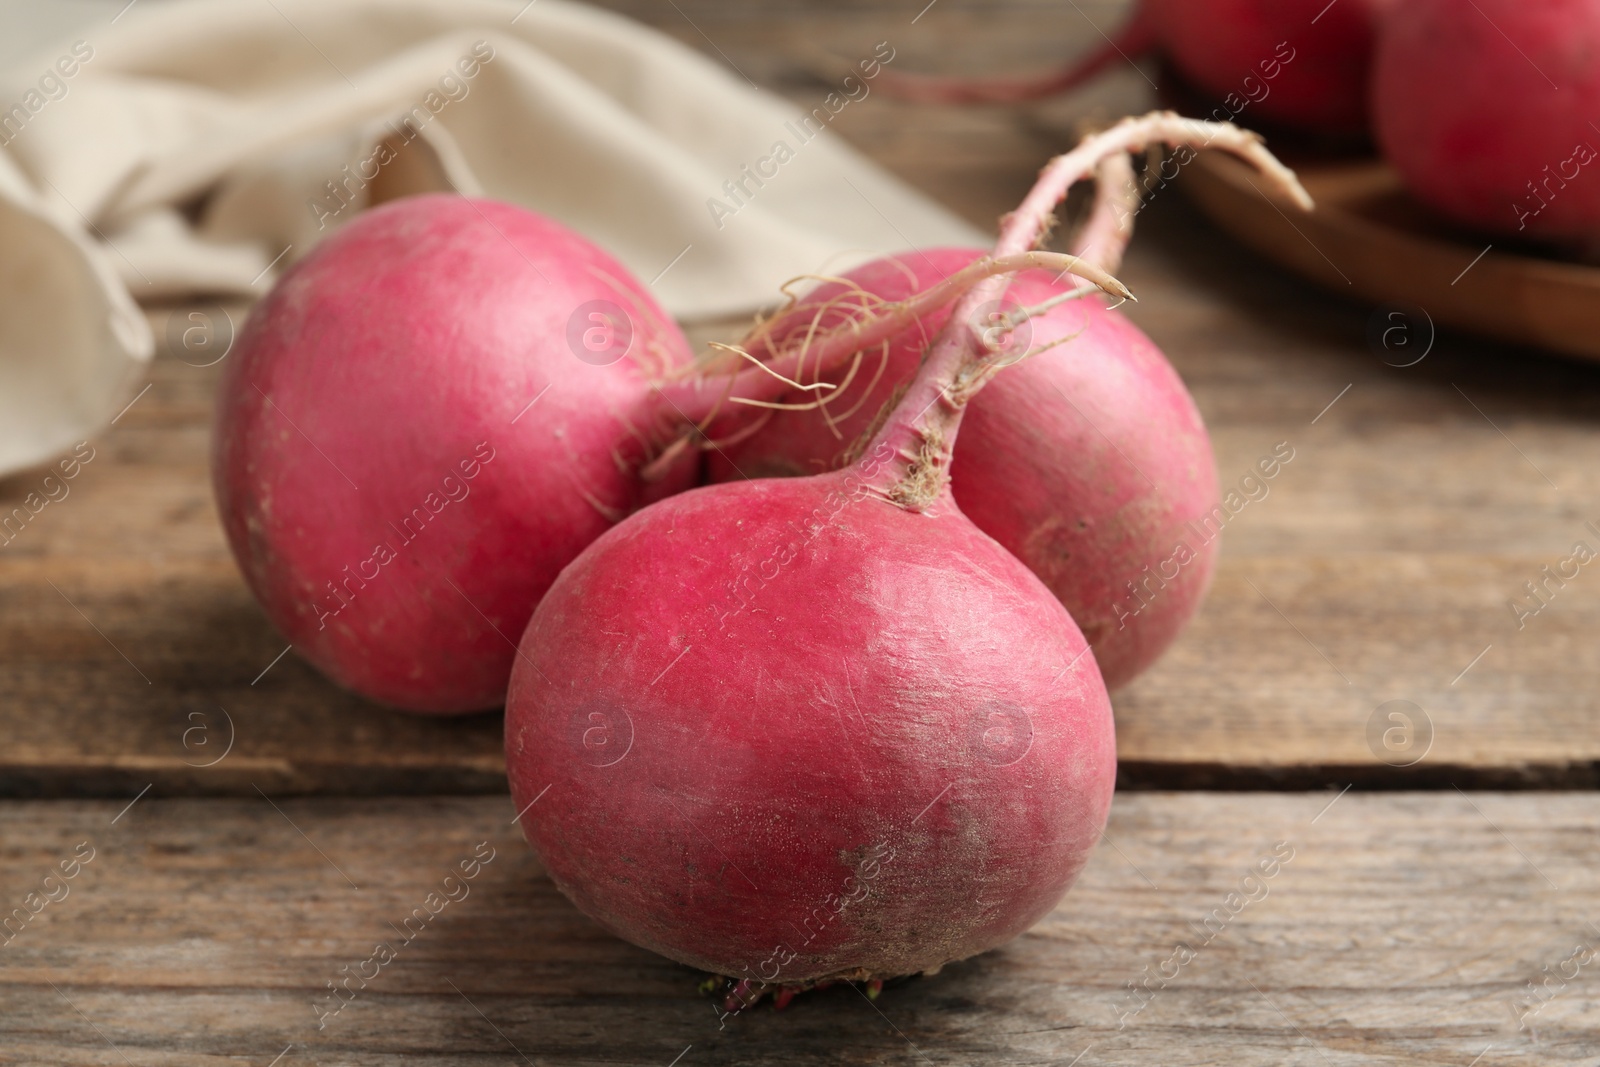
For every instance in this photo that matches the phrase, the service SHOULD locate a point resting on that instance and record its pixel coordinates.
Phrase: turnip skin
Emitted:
(398, 350)
(1087, 462)
(761, 754)
(1489, 109)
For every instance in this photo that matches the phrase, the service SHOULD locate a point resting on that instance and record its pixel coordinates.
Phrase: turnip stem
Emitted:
(922, 430)
(1025, 226)
(1103, 240)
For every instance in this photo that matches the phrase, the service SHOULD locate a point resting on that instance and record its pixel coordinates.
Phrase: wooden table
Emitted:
(1418, 907)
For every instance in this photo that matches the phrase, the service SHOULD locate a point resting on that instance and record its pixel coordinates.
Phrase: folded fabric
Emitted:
(201, 146)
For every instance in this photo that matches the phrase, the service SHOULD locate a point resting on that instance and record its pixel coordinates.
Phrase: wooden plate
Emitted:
(1368, 239)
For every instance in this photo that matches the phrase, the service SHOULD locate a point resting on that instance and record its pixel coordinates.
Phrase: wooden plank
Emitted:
(1383, 562)
(1402, 929)
(1378, 568)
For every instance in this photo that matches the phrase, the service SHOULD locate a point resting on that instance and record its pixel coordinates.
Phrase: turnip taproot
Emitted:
(1089, 463)
(801, 730)
(1490, 109)
(1299, 63)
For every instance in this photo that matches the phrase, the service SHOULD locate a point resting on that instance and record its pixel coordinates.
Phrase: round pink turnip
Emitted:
(1490, 109)
(423, 422)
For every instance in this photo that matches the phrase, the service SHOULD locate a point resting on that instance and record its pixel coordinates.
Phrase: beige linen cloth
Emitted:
(200, 146)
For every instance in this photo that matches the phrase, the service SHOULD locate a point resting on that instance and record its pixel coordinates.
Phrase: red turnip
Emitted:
(1089, 463)
(1299, 63)
(801, 730)
(1490, 109)
(393, 500)
(744, 695)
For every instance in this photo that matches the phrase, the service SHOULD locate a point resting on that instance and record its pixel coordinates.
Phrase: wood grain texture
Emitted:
(1402, 928)
(1378, 568)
